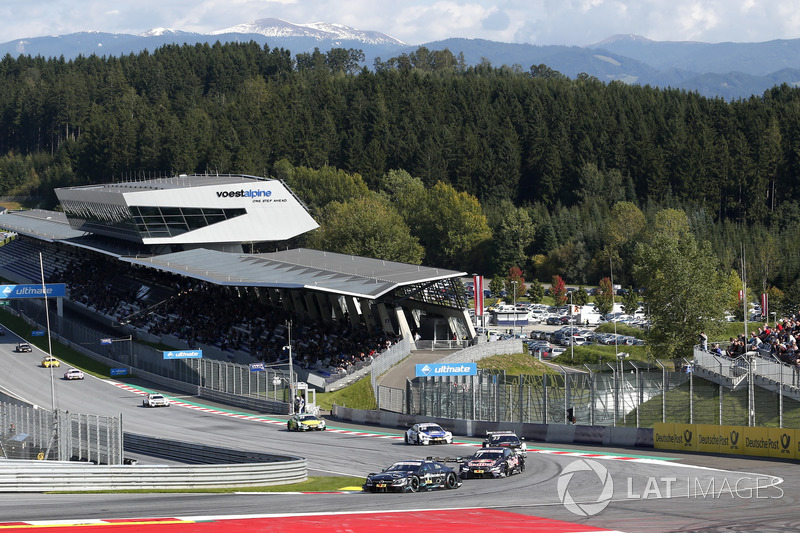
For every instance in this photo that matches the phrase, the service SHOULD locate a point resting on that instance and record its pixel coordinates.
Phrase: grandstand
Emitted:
(165, 257)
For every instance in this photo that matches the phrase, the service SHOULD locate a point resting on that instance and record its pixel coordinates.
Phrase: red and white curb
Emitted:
(255, 418)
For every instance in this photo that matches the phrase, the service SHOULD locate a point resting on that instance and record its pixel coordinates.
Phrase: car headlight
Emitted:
(400, 481)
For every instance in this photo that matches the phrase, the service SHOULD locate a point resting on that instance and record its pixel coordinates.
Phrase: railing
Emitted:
(30, 433)
(631, 394)
(219, 468)
(385, 361)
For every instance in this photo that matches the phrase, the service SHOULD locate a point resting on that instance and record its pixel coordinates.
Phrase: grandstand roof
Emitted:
(292, 269)
(174, 182)
(41, 224)
(299, 268)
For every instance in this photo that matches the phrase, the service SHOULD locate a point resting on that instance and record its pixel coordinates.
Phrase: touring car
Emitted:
(155, 400)
(492, 462)
(305, 422)
(49, 361)
(413, 476)
(23, 347)
(73, 373)
(428, 433)
(506, 438)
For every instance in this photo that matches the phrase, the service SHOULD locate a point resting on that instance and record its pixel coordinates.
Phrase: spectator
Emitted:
(704, 341)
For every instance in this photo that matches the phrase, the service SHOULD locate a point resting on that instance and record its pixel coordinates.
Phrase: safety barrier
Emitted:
(215, 468)
(552, 433)
(247, 402)
(778, 443)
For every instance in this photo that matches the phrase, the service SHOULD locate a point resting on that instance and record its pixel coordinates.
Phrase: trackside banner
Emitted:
(742, 440)
(447, 369)
(53, 290)
(183, 354)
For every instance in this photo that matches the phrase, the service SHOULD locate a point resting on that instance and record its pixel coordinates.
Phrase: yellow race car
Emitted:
(305, 422)
(49, 361)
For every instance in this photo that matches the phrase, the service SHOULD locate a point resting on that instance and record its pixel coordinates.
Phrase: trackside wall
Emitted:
(553, 433)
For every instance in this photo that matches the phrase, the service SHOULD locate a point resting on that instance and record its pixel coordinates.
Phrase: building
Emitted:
(199, 227)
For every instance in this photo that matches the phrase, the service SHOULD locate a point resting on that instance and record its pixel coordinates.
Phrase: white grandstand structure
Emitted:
(199, 227)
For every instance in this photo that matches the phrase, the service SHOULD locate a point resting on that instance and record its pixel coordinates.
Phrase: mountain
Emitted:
(716, 70)
(758, 59)
(320, 31)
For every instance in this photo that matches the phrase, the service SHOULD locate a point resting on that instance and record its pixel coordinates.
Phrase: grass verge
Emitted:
(705, 402)
(516, 364)
(64, 353)
(359, 395)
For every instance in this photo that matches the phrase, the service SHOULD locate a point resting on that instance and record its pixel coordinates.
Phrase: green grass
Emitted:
(594, 354)
(66, 354)
(359, 395)
(516, 364)
(621, 329)
(313, 484)
(706, 407)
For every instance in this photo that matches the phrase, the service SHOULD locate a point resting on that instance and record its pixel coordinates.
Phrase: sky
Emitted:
(543, 22)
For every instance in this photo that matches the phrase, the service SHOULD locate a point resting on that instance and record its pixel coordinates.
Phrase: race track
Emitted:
(618, 492)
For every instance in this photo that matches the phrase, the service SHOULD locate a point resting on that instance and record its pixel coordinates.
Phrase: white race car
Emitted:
(155, 400)
(428, 433)
(73, 373)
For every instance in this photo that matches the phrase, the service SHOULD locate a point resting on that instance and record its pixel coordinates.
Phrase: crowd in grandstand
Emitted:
(779, 342)
(231, 319)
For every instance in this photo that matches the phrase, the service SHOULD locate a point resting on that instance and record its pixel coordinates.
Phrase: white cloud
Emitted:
(417, 21)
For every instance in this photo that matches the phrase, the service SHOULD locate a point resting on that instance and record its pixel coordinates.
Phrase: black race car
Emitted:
(506, 438)
(492, 462)
(413, 476)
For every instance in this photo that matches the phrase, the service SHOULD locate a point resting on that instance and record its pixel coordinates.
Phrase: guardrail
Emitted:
(247, 402)
(551, 433)
(214, 467)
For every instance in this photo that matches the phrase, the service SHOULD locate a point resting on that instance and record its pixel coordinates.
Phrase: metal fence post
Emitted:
(721, 388)
(544, 399)
(566, 394)
(472, 386)
(691, 391)
(616, 393)
(780, 400)
(592, 392)
(640, 394)
(663, 391)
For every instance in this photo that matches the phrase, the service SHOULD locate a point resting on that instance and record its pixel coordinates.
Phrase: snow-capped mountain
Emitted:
(160, 32)
(321, 31)
(727, 70)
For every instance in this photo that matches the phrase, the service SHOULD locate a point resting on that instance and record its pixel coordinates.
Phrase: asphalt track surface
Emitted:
(622, 491)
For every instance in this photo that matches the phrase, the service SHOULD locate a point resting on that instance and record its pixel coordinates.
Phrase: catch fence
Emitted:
(31, 433)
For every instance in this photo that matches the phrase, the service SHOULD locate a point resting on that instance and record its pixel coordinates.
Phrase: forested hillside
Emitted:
(477, 168)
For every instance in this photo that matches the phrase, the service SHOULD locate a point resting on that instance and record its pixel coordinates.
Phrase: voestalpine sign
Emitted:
(183, 354)
(53, 290)
(447, 369)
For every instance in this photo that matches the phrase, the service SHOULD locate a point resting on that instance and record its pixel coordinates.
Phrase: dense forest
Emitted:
(479, 168)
